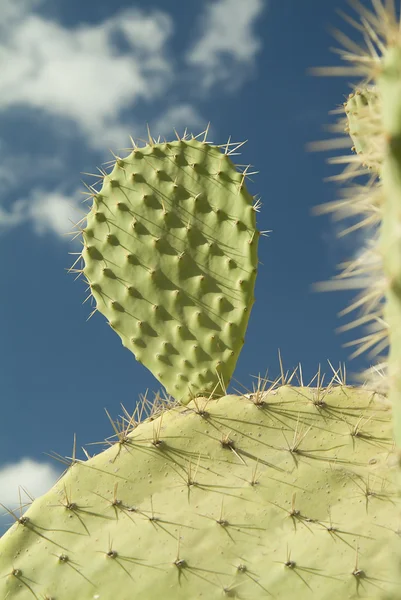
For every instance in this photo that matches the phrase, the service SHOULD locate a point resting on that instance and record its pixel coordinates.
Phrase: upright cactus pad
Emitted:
(170, 251)
(280, 494)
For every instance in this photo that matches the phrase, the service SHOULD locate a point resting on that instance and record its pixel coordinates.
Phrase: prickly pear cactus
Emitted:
(373, 120)
(286, 492)
(282, 493)
(170, 252)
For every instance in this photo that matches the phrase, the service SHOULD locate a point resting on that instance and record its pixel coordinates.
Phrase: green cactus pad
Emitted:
(170, 252)
(283, 494)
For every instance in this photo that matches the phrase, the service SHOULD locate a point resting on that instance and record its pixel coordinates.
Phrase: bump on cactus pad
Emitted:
(282, 493)
(170, 252)
(363, 110)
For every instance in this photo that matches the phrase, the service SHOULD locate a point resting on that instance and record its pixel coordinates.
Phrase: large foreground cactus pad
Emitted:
(170, 251)
(286, 494)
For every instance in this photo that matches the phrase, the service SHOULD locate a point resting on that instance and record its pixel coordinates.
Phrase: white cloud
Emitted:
(113, 136)
(33, 166)
(53, 212)
(178, 118)
(228, 44)
(147, 33)
(14, 10)
(47, 212)
(79, 73)
(36, 477)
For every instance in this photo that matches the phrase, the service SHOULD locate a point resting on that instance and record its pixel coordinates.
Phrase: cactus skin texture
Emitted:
(364, 114)
(283, 493)
(171, 259)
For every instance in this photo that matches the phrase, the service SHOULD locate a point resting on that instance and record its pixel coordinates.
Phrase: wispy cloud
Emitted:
(80, 73)
(227, 44)
(13, 10)
(35, 477)
(53, 212)
(179, 117)
(47, 212)
(26, 168)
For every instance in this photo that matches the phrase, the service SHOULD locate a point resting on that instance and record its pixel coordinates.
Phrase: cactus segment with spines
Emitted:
(374, 124)
(389, 84)
(285, 492)
(170, 252)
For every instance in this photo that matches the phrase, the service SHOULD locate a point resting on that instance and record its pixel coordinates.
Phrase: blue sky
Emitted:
(77, 78)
